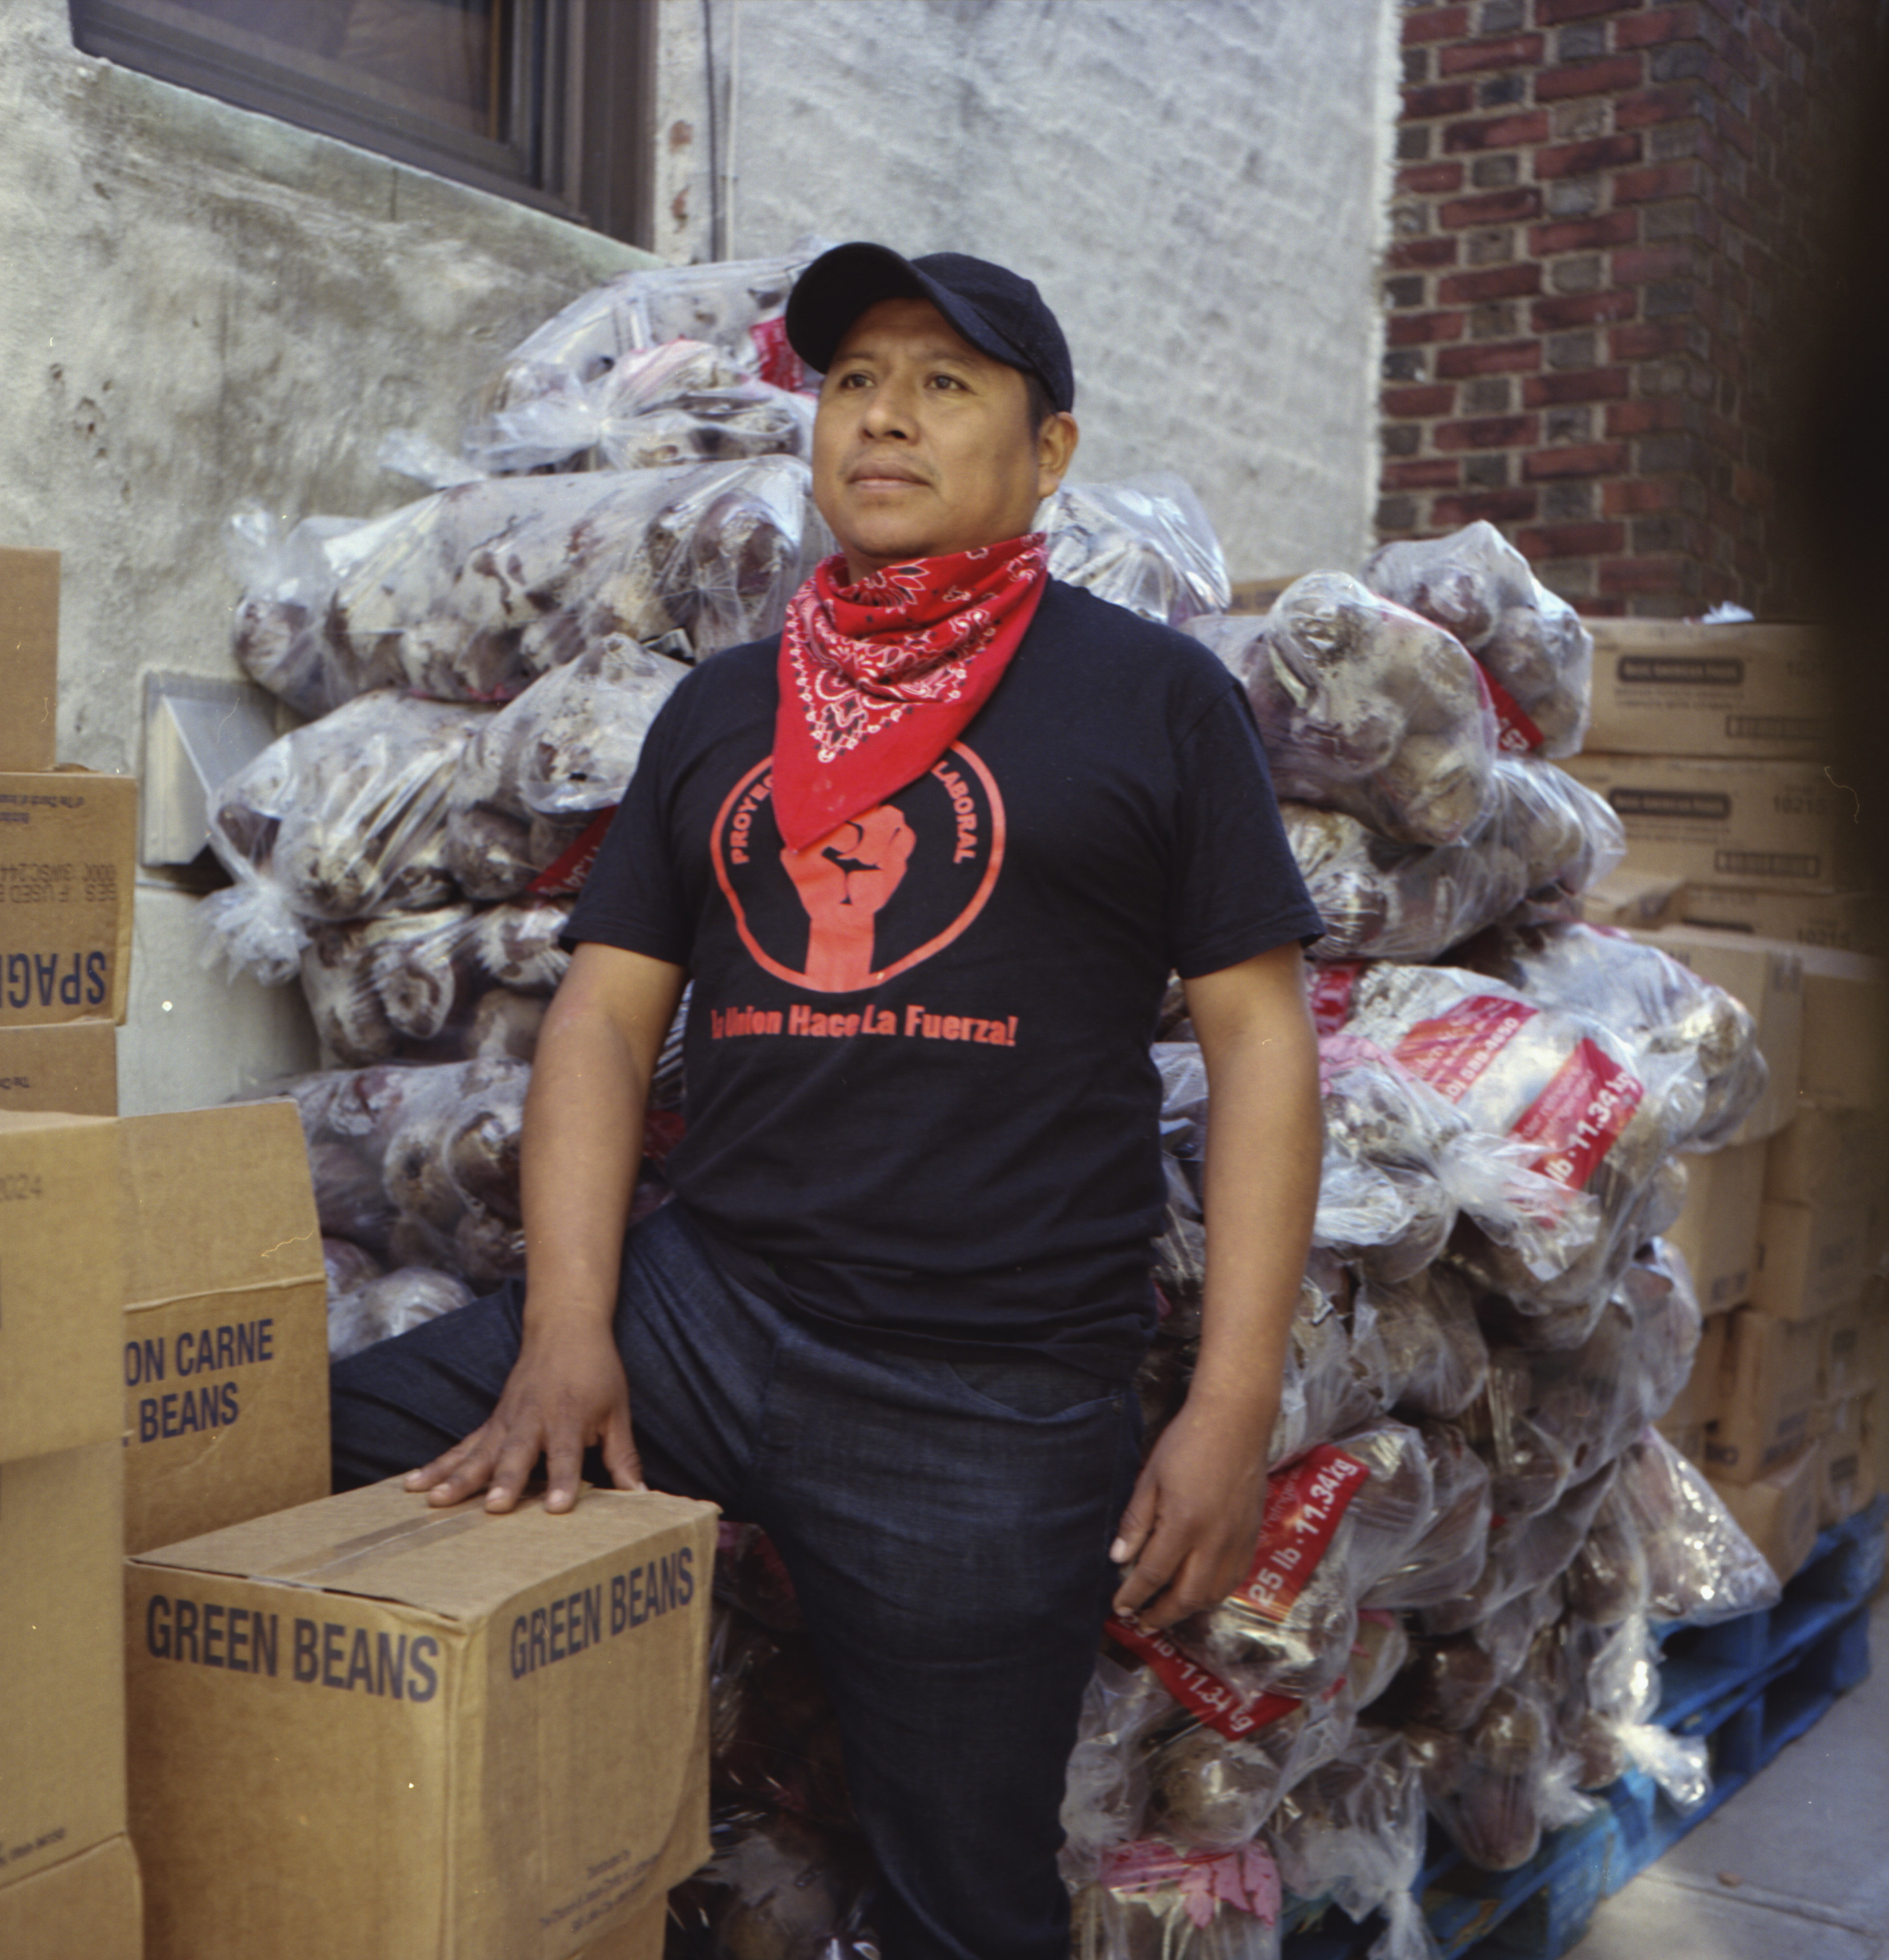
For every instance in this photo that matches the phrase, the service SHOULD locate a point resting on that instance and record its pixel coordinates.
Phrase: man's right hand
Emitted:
(567, 1391)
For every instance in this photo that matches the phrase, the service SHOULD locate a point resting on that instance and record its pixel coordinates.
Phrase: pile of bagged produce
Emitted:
(1472, 1525)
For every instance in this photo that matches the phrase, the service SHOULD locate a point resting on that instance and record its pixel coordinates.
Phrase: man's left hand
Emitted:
(1188, 1534)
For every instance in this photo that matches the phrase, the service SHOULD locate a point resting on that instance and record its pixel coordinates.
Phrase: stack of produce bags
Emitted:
(1471, 1523)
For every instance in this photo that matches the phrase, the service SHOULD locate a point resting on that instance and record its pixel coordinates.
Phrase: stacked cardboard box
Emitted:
(66, 871)
(1742, 863)
(68, 1883)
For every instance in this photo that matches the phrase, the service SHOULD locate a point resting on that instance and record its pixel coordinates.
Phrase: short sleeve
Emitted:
(1237, 891)
(633, 897)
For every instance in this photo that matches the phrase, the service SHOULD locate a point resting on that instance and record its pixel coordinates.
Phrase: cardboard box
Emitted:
(1767, 977)
(1736, 822)
(71, 1066)
(1841, 1055)
(1811, 1259)
(1697, 1402)
(365, 1727)
(1688, 1438)
(1668, 687)
(89, 1907)
(28, 658)
(67, 864)
(1828, 1154)
(641, 1937)
(225, 1327)
(1767, 1395)
(1778, 1512)
(1633, 901)
(1846, 921)
(1718, 1230)
(59, 1285)
(62, 1684)
(1850, 1357)
(1848, 1465)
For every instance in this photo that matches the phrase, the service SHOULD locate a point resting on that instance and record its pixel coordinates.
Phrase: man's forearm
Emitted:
(583, 1145)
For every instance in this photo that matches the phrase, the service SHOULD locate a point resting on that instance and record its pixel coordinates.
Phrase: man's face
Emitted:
(922, 444)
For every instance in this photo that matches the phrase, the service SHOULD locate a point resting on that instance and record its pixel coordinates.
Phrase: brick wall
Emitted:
(1607, 217)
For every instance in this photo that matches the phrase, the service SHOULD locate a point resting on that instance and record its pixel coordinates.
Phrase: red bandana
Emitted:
(878, 679)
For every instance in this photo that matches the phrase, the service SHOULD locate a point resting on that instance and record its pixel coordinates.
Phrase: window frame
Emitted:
(581, 81)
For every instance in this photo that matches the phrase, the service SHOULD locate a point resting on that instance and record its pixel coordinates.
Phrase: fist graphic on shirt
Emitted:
(844, 878)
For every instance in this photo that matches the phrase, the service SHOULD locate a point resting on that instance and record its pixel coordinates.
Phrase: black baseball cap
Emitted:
(1000, 312)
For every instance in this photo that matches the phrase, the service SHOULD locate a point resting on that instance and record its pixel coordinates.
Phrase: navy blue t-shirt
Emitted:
(920, 1102)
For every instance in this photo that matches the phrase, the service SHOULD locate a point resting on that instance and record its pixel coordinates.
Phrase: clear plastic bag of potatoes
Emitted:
(1153, 1902)
(393, 1303)
(1145, 544)
(1354, 1831)
(1662, 1008)
(1537, 655)
(1365, 708)
(1545, 837)
(471, 594)
(419, 1164)
(342, 819)
(458, 984)
(538, 772)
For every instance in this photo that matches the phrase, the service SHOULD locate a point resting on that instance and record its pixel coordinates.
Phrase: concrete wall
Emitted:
(1197, 185)
(202, 306)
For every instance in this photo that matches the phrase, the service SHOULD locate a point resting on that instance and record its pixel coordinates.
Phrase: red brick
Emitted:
(1414, 329)
(1436, 23)
(1641, 264)
(1552, 12)
(1584, 234)
(1646, 340)
(1578, 159)
(1654, 417)
(1486, 432)
(1579, 459)
(1422, 401)
(1675, 102)
(1592, 384)
(1659, 181)
(1492, 282)
(1494, 207)
(1499, 132)
(1499, 507)
(1590, 540)
(1637, 496)
(1625, 575)
(1429, 473)
(1421, 254)
(1427, 179)
(1580, 310)
(1510, 51)
(1662, 24)
(1449, 98)
(1490, 357)
(1593, 78)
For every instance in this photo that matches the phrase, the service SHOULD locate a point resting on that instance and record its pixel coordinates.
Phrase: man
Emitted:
(930, 862)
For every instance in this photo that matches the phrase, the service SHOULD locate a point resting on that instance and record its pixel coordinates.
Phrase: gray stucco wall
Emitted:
(203, 307)
(1198, 187)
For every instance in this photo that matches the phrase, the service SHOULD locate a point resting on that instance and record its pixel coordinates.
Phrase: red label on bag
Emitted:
(1247, 1879)
(1516, 734)
(1579, 1114)
(779, 364)
(1329, 992)
(1305, 1503)
(1452, 1052)
(565, 875)
(1202, 1693)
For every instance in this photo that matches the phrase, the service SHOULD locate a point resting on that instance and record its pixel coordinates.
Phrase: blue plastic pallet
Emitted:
(1749, 1686)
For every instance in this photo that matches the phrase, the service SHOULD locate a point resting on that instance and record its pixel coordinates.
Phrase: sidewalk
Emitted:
(1807, 1842)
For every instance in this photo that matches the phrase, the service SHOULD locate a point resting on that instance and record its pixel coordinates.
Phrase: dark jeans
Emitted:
(945, 1524)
